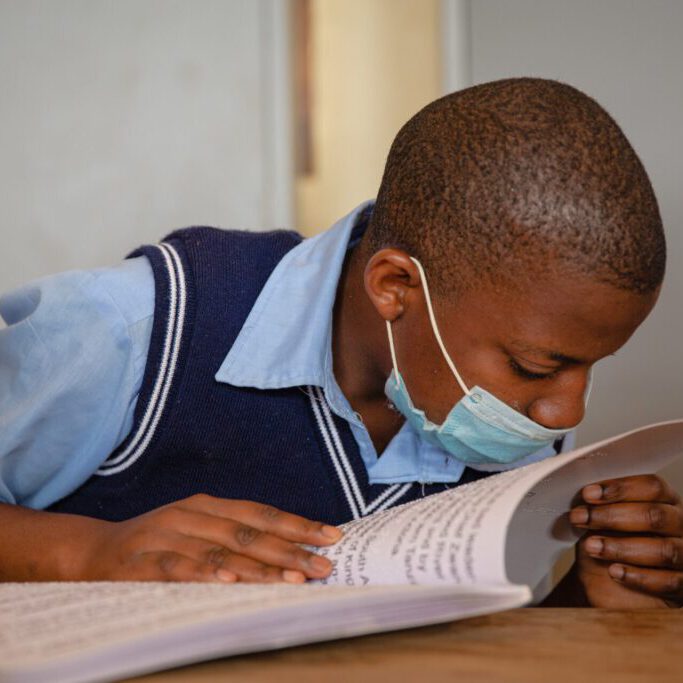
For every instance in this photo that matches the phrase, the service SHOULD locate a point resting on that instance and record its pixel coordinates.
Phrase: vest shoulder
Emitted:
(200, 235)
(204, 246)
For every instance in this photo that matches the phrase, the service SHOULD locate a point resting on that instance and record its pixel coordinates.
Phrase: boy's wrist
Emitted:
(60, 546)
(77, 547)
(44, 546)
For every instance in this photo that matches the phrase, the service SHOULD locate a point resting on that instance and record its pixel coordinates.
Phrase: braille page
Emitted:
(77, 632)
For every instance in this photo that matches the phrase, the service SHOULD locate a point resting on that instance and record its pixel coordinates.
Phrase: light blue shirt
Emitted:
(73, 354)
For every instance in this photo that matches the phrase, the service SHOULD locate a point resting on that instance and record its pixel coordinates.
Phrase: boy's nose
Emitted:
(564, 408)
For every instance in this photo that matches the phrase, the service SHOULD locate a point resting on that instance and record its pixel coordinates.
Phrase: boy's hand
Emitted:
(633, 555)
(203, 538)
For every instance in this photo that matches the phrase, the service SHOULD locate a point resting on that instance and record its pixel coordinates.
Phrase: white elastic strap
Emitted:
(435, 327)
(392, 349)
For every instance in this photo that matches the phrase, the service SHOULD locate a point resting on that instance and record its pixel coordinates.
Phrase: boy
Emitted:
(185, 416)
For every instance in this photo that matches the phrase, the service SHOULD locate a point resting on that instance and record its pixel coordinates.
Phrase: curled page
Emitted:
(509, 528)
(454, 537)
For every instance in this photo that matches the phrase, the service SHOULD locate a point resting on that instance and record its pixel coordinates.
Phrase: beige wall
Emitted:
(375, 63)
(121, 121)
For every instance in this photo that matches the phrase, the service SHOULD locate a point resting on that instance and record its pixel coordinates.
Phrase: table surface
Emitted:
(525, 645)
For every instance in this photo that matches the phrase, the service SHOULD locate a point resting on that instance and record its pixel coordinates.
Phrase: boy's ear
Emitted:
(391, 279)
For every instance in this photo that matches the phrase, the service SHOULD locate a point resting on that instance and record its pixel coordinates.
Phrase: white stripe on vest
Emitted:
(169, 360)
(347, 478)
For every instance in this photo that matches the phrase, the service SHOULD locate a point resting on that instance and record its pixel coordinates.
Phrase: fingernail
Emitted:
(578, 515)
(616, 571)
(331, 532)
(225, 575)
(592, 492)
(291, 576)
(318, 564)
(594, 545)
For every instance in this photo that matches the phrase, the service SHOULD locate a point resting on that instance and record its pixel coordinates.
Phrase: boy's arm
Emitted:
(197, 539)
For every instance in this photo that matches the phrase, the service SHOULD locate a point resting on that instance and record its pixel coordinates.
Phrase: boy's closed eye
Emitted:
(531, 374)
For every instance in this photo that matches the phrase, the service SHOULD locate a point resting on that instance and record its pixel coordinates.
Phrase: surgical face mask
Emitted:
(480, 428)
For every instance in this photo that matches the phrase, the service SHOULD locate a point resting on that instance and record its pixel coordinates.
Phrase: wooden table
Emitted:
(527, 645)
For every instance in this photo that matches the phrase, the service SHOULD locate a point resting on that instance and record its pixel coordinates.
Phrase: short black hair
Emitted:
(519, 176)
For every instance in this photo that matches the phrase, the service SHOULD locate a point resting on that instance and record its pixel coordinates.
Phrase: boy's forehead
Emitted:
(564, 319)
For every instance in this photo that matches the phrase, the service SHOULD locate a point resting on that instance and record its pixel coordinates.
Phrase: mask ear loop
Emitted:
(435, 328)
(393, 350)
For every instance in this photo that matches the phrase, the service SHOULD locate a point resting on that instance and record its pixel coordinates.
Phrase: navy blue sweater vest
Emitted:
(192, 434)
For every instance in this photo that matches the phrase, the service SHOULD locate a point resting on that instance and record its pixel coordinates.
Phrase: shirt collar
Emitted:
(286, 338)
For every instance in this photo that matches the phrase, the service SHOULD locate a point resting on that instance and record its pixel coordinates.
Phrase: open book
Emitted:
(474, 549)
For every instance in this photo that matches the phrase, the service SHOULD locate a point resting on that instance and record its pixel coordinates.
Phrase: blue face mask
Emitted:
(480, 428)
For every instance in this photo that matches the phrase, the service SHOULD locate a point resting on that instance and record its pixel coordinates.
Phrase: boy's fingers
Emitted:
(221, 563)
(639, 488)
(253, 571)
(265, 518)
(654, 518)
(169, 565)
(172, 566)
(227, 566)
(664, 583)
(644, 551)
(217, 540)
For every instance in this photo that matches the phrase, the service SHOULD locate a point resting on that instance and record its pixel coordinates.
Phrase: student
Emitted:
(185, 415)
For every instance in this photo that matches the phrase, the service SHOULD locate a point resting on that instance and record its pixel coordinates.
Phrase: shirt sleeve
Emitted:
(72, 357)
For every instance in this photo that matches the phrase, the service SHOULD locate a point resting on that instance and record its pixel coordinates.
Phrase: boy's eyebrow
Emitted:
(551, 355)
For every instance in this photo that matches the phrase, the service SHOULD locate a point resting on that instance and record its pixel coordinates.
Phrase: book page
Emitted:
(78, 632)
(462, 536)
(454, 537)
